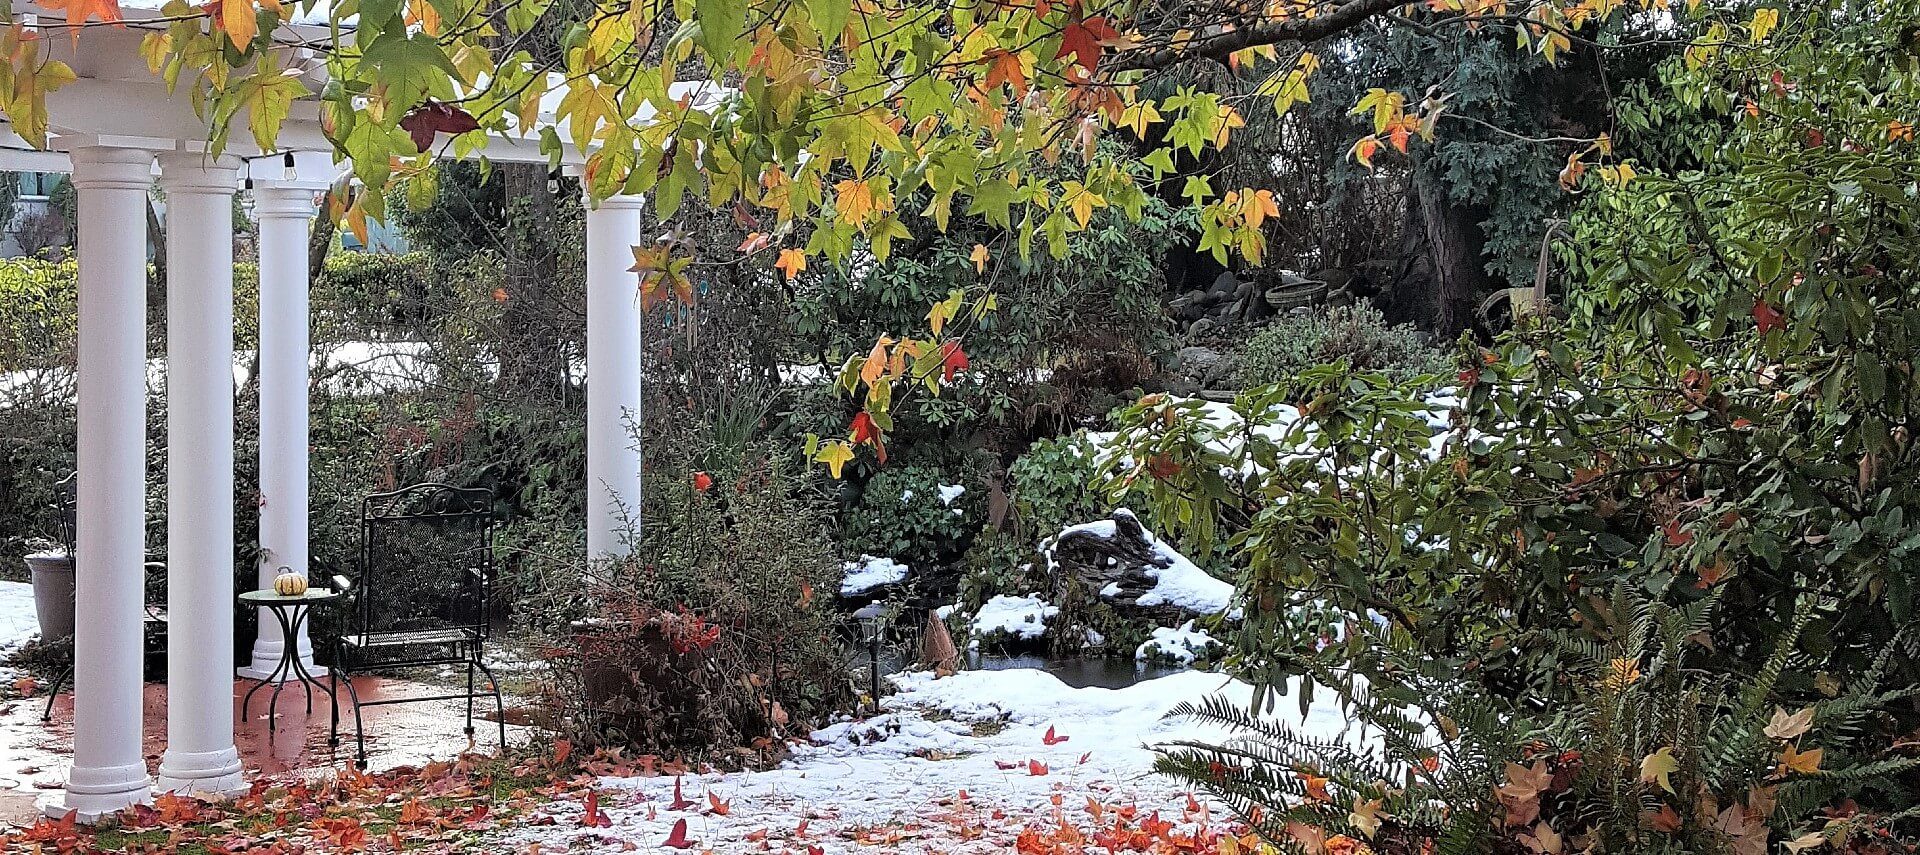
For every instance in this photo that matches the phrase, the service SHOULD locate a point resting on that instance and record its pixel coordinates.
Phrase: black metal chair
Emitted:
(423, 596)
(66, 513)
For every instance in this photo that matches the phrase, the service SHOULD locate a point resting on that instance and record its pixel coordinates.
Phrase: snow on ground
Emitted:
(1181, 583)
(1180, 645)
(1007, 617)
(894, 783)
(869, 573)
(950, 492)
(19, 623)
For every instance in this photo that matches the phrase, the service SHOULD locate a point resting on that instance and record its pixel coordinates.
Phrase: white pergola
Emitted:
(115, 130)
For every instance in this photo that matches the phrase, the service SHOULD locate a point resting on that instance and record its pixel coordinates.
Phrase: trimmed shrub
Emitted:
(1358, 334)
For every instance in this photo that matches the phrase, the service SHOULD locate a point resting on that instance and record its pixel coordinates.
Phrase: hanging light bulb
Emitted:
(287, 172)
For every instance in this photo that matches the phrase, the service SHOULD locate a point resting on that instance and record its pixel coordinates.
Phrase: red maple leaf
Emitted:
(1036, 768)
(592, 817)
(434, 117)
(868, 433)
(678, 839)
(702, 482)
(680, 801)
(718, 807)
(1081, 40)
(1051, 739)
(1677, 536)
(1004, 765)
(953, 359)
(1768, 317)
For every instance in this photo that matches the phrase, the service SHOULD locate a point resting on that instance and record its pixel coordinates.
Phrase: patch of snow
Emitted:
(1180, 645)
(894, 783)
(19, 621)
(949, 492)
(1008, 616)
(868, 573)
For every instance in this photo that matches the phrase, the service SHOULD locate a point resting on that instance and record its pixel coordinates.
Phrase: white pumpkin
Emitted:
(290, 584)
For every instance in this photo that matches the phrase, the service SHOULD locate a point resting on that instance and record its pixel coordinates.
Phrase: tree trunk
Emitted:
(320, 240)
(533, 359)
(1442, 269)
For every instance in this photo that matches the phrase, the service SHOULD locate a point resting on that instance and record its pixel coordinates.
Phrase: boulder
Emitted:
(1196, 362)
(1109, 560)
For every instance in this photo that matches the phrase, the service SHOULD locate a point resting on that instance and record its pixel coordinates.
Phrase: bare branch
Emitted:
(1339, 19)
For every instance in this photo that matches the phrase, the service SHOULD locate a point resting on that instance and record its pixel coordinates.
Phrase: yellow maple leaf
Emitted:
(1081, 201)
(1804, 762)
(236, 19)
(979, 259)
(791, 262)
(835, 454)
(1658, 768)
(1138, 117)
(1365, 816)
(875, 365)
(853, 200)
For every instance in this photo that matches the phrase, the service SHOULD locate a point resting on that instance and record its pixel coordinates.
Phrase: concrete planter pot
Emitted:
(53, 594)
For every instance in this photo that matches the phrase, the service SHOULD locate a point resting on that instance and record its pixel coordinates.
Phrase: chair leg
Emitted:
(470, 664)
(359, 727)
(53, 694)
(333, 695)
(499, 703)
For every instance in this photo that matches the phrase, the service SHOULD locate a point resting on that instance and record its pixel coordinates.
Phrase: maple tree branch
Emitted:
(1298, 29)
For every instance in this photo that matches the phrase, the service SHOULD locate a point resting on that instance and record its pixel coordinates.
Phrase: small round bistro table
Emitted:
(290, 612)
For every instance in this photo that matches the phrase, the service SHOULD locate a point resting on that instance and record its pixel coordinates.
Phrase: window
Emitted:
(39, 184)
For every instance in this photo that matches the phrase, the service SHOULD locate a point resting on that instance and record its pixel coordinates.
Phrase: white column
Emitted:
(200, 755)
(109, 773)
(613, 375)
(284, 212)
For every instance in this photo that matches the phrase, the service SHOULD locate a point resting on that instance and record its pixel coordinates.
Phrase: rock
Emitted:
(1113, 563)
(1197, 363)
(1220, 372)
(1189, 306)
(1225, 283)
(1202, 328)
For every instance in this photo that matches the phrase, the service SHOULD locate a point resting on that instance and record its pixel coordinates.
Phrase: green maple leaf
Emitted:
(268, 97)
(722, 27)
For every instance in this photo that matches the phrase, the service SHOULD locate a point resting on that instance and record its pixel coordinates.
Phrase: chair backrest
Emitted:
(426, 560)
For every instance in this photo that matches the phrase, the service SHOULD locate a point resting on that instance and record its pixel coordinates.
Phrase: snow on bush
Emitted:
(868, 573)
(1180, 645)
(1007, 617)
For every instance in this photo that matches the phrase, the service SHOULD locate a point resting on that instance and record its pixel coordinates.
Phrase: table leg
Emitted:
(289, 659)
(278, 673)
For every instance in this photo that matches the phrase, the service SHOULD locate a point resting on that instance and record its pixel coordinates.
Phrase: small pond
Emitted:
(1077, 671)
(1106, 672)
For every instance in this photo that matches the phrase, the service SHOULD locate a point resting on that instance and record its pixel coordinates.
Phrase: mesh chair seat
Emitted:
(412, 638)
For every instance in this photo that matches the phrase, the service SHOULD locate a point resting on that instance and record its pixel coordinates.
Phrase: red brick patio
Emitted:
(34, 756)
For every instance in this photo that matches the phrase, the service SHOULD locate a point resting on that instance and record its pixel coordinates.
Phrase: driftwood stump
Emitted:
(1116, 562)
